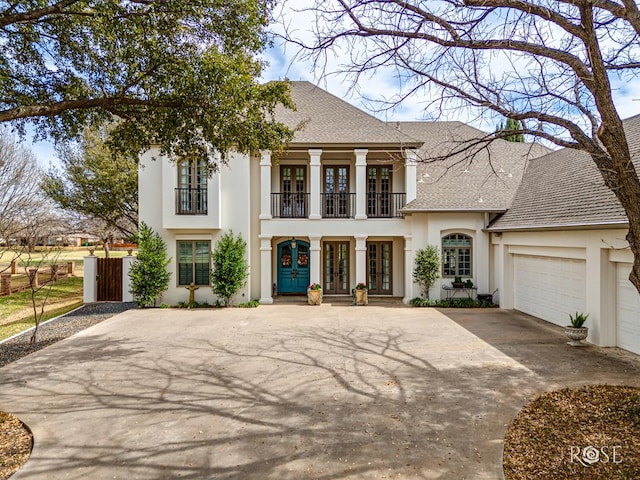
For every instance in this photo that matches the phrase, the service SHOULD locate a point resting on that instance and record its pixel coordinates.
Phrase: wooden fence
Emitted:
(17, 282)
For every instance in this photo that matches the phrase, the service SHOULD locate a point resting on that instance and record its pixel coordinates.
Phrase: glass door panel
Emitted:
(329, 267)
(379, 191)
(293, 201)
(336, 192)
(379, 268)
(336, 267)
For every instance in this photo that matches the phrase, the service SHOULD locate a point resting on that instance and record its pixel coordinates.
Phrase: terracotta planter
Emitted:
(576, 335)
(458, 284)
(362, 296)
(314, 297)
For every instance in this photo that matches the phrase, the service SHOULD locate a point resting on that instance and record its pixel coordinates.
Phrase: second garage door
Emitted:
(549, 288)
(627, 310)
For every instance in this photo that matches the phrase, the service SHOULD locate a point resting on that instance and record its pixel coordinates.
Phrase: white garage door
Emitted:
(627, 310)
(549, 288)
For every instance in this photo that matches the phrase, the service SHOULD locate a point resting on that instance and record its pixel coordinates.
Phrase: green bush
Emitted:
(148, 274)
(230, 270)
(427, 268)
(422, 302)
(250, 304)
(451, 303)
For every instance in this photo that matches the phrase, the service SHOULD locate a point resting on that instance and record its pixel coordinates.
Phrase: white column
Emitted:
(265, 185)
(600, 293)
(361, 183)
(506, 282)
(315, 179)
(408, 269)
(90, 282)
(126, 281)
(314, 259)
(410, 167)
(361, 258)
(266, 280)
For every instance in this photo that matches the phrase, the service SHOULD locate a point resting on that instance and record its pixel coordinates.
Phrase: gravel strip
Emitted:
(59, 328)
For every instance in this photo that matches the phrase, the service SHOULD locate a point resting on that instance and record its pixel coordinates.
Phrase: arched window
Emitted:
(456, 255)
(191, 194)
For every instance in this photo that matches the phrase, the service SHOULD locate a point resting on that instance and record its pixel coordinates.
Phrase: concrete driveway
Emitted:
(291, 392)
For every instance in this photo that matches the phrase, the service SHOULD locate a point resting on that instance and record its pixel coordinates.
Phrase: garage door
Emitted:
(549, 288)
(627, 310)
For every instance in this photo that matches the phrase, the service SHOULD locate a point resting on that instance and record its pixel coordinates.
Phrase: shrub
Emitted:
(250, 304)
(230, 269)
(451, 303)
(427, 268)
(148, 274)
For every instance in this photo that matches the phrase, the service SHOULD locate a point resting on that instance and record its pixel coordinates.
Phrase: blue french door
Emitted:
(293, 267)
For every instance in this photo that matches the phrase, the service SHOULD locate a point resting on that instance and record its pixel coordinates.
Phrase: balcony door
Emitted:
(191, 194)
(336, 199)
(379, 191)
(293, 190)
(336, 267)
(379, 268)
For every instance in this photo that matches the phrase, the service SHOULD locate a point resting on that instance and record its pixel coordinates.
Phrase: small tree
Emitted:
(40, 290)
(427, 269)
(230, 269)
(149, 275)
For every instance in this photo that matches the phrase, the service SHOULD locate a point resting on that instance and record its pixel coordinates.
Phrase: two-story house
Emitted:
(351, 200)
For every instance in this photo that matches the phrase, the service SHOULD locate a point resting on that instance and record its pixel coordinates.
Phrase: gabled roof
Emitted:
(565, 189)
(327, 119)
(487, 183)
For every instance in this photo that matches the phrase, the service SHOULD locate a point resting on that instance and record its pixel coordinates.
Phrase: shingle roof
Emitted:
(487, 183)
(327, 119)
(565, 189)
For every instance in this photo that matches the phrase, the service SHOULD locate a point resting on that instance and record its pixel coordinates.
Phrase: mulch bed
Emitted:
(588, 433)
(15, 445)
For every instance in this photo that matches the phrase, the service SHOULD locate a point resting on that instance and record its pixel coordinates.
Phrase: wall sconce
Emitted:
(293, 243)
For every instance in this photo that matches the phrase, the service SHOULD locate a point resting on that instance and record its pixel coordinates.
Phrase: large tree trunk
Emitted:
(621, 177)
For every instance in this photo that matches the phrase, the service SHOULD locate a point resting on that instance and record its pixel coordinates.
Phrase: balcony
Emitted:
(191, 201)
(338, 205)
(290, 205)
(385, 205)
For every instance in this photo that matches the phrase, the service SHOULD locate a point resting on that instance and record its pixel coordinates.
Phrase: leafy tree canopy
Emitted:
(96, 183)
(175, 73)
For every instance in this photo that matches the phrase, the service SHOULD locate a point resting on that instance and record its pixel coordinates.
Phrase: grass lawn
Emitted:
(16, 311)
(63, 255)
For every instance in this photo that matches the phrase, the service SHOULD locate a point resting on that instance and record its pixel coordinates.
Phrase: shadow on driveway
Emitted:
(284, 392)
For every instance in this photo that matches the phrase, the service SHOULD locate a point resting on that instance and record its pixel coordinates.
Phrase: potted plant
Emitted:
(314, 294)
(468, 284)
(361, 294)
(457, 282)
(576, 332)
